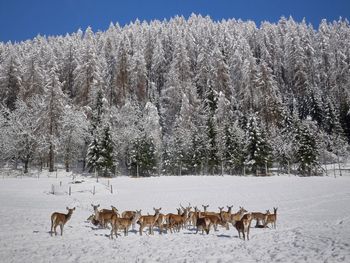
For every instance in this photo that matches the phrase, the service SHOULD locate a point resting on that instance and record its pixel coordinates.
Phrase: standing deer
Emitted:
(59, 219)
(271, 218)
(134, 215)
(237, 216)
(149, 221)
(122, 223)
(105, 215)
(243, 226)
(258, 216)
(177, 221)
(202, 223)
(225, 216)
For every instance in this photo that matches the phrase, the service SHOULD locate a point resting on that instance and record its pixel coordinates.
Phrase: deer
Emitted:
(162, 222)
(92, 219)
(122, 223)
(104, 216)
(149, 221)
(202, 223)
(216, 220)
(176, 221)
(237, 216)
(189, 214)
(225, 216)
(243, 226)
(271, 218)
(259, 216)
(134, 215)
(60, 219)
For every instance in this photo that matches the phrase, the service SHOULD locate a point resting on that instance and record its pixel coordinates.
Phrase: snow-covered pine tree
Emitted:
(307, 149)
(51, 106)
(151, 127)
(106, 160)
(143, 156)
(96, 131)
(87, 74)
(258, 151)
(234, 147)
(10, 79)
(20, 130)
(73, 135)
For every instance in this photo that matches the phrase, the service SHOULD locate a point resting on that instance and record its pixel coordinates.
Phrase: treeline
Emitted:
(179, 97)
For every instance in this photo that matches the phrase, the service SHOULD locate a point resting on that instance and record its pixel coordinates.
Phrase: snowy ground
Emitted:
(313, 219)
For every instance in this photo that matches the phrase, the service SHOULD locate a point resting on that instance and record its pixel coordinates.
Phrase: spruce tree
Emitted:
(307, 150)
(257, 148)
(143, 157)
(106, 159)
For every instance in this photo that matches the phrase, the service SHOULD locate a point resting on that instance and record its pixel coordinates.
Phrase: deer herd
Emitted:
(186, 217)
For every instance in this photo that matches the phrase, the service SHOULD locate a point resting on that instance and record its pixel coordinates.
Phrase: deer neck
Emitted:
(156, 216)
(68, 216)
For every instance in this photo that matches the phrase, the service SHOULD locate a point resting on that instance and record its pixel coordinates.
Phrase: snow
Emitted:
(312, 226)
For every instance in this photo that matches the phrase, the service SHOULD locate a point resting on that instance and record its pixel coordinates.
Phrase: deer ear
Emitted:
(74, 208)
(160, 208)
(67, 208)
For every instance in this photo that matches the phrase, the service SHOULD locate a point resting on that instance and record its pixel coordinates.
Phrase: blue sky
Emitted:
(24, 19)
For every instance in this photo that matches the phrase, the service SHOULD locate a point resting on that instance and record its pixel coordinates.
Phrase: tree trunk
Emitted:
(66, 164)
(339, 165)
(26, 162)
(51, 158)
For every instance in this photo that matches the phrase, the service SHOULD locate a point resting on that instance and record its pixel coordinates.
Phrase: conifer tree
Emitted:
(307, 149)
(258, 151)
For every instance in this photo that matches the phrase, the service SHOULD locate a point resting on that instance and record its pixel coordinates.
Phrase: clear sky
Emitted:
(24, 19)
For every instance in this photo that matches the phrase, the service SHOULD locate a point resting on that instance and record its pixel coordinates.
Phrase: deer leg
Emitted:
(61, 226)
(51, 228)
(141, 228)
(112, 231)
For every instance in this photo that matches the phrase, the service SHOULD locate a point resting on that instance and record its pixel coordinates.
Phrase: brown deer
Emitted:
(59, 219)
(243, 226)
(202, 223)
(225, 216)
(271, 218)
(162, 222)
(258, 216)
(177, 221)
(205, 212)
(149, 221)
(104, 216)
(134, 215)
(237, 216)
(215, 220)
(122, 223)
(188, 220)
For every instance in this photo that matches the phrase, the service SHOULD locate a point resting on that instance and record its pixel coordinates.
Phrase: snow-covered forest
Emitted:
(178, 97)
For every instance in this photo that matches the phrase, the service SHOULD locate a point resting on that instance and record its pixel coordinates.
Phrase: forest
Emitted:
(178, 97)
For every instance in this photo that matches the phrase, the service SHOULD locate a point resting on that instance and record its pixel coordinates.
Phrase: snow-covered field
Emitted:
(313, 219)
